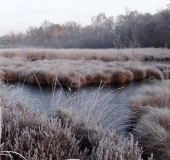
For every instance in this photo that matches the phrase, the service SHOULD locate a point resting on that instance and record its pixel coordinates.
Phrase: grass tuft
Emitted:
(151, 121)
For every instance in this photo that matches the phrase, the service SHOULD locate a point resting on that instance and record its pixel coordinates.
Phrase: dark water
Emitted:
(156, 62)
(108, 105)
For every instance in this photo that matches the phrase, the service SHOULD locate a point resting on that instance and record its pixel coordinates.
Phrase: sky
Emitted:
(18, 15)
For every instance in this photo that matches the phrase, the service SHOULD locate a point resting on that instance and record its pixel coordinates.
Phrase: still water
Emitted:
(156, 62)
(108, 104)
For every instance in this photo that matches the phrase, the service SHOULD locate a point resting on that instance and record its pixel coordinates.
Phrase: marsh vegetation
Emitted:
(94, 92)
(87, 128)
(75, 68)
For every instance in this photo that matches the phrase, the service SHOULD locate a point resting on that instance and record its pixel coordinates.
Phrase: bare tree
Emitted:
(135, 41)
(118, 43)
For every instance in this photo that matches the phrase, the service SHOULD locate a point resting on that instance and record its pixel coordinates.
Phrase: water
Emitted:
(109, 105)
(156, 62)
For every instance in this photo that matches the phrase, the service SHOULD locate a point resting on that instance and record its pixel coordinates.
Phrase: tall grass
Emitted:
(67, 134)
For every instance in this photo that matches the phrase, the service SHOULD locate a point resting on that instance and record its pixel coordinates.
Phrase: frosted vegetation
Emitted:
(74, 68)
(65, 134)
(80, 130)
(70, 132)
(151, 120)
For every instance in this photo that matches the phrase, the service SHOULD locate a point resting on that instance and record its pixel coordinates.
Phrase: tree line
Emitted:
(132, 29)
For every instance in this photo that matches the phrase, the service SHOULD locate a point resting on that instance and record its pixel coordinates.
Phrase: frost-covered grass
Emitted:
(151, 119)
(77, 67)
(75, 73)
(65, 134)
(32, 54)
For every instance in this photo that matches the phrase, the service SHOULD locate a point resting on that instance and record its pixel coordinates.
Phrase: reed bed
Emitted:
(151, 120)
(63, 135)
(76, 73)
(33, 54)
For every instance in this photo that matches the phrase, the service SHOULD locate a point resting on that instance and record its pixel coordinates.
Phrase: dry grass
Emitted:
(153, 72)
(155, 96)
(165, 70)
(77, 67)
(153, 132)
(76, 73)
(66, 134)
(151, 120)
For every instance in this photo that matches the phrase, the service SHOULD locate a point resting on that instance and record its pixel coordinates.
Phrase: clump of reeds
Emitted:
(63, 135)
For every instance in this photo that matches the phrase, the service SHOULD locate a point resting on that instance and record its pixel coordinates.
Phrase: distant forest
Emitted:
(129, 30)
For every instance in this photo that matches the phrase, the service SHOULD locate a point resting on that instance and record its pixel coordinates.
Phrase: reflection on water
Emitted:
(46, 99)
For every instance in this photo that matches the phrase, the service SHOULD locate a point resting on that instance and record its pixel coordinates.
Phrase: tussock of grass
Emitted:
(151, 120)
(9, 74)
(122, 76)
(153, 72)
(139, 73)
(63, 135)
(155, 96)
(152, 132)
(76, 73)
(165, 70)
(98, 77)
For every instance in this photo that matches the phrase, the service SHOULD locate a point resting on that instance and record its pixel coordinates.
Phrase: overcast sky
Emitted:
(18, 15)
